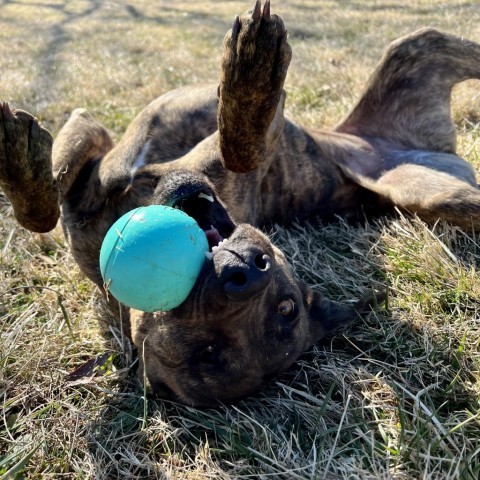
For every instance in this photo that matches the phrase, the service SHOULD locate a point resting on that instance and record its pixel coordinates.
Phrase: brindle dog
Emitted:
(229, 158)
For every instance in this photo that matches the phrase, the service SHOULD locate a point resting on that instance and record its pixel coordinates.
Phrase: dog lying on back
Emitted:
(228, 157)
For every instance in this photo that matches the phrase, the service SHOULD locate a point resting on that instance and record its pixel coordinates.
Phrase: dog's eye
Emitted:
(286, 307)
(208, 355)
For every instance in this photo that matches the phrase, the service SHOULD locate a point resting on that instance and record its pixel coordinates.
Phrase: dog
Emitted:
(228, 157)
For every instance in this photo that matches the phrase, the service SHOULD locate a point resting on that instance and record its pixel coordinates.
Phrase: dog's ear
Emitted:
(327, 315)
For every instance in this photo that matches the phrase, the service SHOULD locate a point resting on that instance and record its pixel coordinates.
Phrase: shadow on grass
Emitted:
(388, 392)
(383, 7)
(55, 40)
(59, 35)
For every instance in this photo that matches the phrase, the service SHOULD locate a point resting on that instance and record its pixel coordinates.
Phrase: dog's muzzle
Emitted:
(244, 271)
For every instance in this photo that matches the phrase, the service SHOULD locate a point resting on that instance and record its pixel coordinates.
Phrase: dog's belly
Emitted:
(296, 189)
(303, 179)
(295, 182)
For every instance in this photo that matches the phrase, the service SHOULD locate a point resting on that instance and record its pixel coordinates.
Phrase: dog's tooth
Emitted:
(206, 197)
(209, 255)
(214, 249)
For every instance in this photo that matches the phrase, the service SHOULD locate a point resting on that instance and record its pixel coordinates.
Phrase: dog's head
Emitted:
(246, 319)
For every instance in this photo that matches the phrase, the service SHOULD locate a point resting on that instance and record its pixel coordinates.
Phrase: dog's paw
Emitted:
(256, 56)
(26, 169)
(25, 147)
(254, 66)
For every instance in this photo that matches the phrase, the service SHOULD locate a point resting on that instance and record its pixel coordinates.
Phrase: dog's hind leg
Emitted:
(407, 99)
(405, 114)
(429, 193)
(26, 170)
(254, 66)
(80, 140)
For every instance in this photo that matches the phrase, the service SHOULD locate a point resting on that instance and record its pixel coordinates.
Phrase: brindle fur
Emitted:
(396, 148)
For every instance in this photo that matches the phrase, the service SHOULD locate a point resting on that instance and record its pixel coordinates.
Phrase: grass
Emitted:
(394, 397)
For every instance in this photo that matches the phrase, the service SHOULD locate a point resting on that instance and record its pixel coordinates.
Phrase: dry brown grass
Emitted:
(394, 397)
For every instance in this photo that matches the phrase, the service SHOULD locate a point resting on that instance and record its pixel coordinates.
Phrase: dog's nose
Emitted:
(242, 281)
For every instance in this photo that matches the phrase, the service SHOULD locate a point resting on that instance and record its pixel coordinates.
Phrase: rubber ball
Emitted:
(151, 257)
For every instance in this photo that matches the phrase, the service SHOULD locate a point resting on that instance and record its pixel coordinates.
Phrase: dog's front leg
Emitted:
(254, 66)
(81, 140)
(407, 99)
(26, 170)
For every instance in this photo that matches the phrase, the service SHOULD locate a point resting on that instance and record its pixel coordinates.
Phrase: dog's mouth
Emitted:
(212, 217)
(215, 240)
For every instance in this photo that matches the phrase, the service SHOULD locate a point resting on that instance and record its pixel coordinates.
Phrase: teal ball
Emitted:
(152, 256)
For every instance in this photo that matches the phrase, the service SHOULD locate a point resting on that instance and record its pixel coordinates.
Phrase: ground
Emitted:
(395, 396)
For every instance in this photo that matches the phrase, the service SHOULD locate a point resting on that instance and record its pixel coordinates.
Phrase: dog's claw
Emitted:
(266, 10)
(6, 111)
(256, 11)
(35, 131)
(235, 28)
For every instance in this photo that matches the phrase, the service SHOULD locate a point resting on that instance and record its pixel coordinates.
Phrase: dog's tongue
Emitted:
(213, 237)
